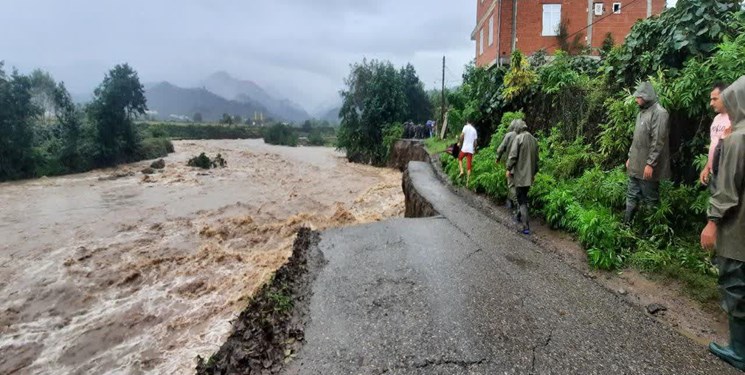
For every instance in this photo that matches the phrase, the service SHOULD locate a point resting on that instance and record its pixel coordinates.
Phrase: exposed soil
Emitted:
(114, 271)
(270, 331)
(692, 319)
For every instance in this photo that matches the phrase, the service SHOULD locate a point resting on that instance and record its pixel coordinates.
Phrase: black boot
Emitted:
(734, 354)
(629, 215)
(525, 218)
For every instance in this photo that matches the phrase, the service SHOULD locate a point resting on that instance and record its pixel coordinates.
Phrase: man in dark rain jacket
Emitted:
(649, 155)
(726, 227)
(502, 153)
(522, 166)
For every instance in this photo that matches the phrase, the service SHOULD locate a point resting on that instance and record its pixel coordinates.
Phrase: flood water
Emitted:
(116, 272)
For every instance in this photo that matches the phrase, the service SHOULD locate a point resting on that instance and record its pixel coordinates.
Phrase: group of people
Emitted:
(648, 163)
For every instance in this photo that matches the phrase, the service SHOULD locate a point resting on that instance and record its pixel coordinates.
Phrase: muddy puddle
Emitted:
(113, 271)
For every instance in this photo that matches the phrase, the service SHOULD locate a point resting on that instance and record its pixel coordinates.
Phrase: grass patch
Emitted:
(435, 144)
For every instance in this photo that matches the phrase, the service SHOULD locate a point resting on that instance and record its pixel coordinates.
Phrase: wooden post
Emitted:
(442, 104)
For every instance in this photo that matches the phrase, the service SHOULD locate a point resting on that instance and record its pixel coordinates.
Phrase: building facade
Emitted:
(529, 25)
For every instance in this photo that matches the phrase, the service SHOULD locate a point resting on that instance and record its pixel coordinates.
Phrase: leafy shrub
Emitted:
(201, 161)
(279, 134)
(153, 148)
(316, 138)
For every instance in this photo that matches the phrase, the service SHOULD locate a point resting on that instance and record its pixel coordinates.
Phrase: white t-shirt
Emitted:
(469, 136)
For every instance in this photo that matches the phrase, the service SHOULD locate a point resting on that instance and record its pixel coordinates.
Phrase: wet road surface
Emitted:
(461, 294)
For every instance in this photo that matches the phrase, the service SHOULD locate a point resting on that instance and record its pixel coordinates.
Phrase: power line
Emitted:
(593, 23)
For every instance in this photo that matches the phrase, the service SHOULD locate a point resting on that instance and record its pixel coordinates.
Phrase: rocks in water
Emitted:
(158, 164)
(148, 171)
(655, 308)
(116, 175)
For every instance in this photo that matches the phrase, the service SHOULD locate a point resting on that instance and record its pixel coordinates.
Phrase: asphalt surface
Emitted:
(461, 294)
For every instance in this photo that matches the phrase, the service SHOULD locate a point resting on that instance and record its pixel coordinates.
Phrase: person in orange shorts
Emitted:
(467, 142)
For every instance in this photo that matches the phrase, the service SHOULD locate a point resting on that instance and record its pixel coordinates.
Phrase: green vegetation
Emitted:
(583, 114)
(377, 97)
(204, 162)
(43, 133)
(200, 131)
(280, 134)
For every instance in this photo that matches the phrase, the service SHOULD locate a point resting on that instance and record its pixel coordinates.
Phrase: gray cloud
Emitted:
(299, 48)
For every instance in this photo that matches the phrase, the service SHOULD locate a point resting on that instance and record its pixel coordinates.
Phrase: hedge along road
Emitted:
(113, 271)
(460, 294)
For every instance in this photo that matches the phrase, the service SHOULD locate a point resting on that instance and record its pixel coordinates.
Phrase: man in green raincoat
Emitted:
(649, 155)
(726, 227)
(522, 166)
(502, 153)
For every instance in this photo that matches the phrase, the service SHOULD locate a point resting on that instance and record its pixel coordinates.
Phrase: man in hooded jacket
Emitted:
(502, 153)
(649, 155)
(522, 166)
(726, 226)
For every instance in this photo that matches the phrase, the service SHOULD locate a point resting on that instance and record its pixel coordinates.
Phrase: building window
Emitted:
(491, 30)
(481, 42)
(551, 19)
(616, 8)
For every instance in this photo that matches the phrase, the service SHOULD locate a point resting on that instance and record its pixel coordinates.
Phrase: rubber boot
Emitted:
(734, 354)
(629, 215)
(525, 219)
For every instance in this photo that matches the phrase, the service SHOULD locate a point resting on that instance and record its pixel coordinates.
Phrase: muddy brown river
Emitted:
(116, 272)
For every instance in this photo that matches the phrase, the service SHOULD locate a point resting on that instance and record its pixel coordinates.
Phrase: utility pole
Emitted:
(442, 114)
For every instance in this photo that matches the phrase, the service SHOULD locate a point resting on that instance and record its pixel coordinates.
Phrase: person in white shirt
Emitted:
(467, 143)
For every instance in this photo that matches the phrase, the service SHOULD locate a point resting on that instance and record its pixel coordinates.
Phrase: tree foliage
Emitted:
(118, 99)
(691, 29)
(17, 113)
(418, 106)
(43, 132)
(373, 98)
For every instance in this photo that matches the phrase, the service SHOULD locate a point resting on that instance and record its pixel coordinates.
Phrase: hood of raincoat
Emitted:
(519, 126)
(734, 100)
(646, 92)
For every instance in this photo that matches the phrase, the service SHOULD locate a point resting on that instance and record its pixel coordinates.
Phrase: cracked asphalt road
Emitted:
(461, 294)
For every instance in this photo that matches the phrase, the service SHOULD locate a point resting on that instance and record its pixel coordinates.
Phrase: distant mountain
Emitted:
(331, 115)
(223, 84)
(167, 100)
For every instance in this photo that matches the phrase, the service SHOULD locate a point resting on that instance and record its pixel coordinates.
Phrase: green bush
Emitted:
(281, 135)
(199, 131)
(316, 138)
(153, 148)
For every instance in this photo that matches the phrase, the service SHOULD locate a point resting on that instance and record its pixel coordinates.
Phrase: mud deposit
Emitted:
(270, 331)
(114, 271)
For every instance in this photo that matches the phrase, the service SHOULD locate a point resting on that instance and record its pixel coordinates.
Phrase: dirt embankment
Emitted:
(416, 205)
(405, 150)
(116, 271)
(270, 331)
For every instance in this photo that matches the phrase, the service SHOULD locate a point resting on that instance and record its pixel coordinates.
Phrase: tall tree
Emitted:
(70, 120)
(17, 113)
(118, 99)
(373, 98)
(418, 106)
(43, 90)
(197, 117)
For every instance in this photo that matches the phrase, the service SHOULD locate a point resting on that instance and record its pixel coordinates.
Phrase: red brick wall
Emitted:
(530, 24)
(490, 51)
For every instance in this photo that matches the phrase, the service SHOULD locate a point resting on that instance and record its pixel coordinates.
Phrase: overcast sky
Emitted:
(299, 48)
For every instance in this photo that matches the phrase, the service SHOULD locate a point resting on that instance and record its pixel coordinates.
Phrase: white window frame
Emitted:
(551, 19)
(491, 30)
(481, 41)
(619, 8)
